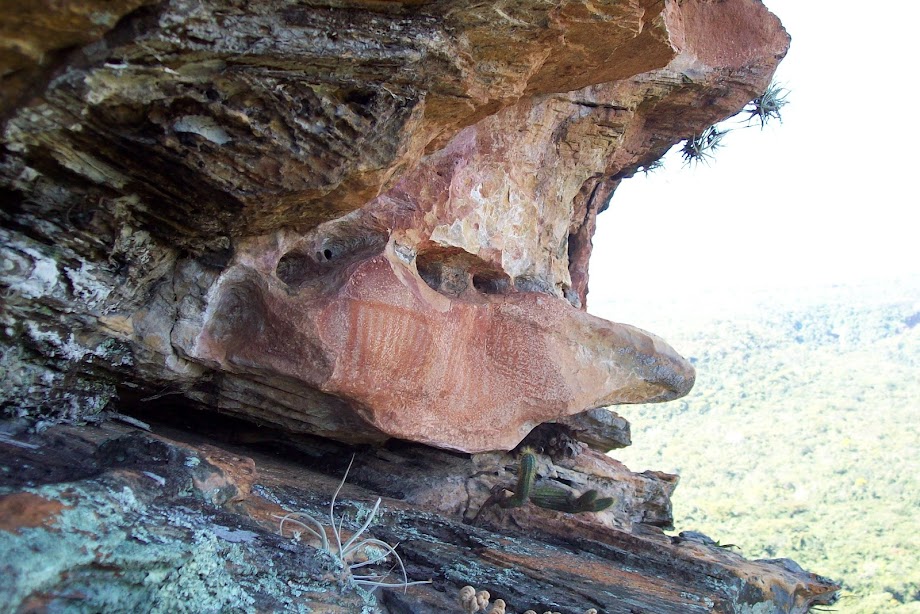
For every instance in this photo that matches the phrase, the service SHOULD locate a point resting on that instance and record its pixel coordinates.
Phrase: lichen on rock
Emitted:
(130, 520)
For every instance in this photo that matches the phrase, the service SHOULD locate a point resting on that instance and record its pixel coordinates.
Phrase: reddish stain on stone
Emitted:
(25, 510)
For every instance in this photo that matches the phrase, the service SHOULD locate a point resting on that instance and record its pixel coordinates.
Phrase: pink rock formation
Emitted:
(473, 371)
(359, 219)
(356, 223)
(446, 309)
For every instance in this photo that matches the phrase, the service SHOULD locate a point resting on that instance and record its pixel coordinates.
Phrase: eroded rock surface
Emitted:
(474, 373)
(181, 523)
(368, 221)
(356, 219)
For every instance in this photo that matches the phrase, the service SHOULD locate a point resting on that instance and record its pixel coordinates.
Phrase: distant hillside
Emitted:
(802, 436)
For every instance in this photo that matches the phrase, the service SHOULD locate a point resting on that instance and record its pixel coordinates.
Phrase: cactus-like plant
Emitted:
(562, 501)
(550, 497)
(651, 167)
(527, 473)
(767, 106)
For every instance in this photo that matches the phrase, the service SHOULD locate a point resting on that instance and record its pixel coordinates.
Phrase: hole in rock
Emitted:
(318, 266)
(451, 271)
(242, 312)
(443, 277)
(430, 272)
(360, 97)
(571, 296)
(294, 268)
(491, 283)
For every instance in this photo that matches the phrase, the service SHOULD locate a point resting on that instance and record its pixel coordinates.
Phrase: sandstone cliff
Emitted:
(368, 221)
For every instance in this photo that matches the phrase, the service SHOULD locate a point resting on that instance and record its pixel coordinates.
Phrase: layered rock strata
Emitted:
(104, 519)
(368, 221)
(356, 219)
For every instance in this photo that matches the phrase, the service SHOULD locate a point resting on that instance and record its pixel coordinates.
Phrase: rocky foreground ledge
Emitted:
(118, 519)
(356, 223)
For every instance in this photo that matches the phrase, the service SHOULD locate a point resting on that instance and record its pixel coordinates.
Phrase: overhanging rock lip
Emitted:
(474, 376)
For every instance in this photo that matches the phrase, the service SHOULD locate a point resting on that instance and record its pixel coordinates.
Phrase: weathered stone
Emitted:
(472, 371)
(362, 220)
(36, 37)
(276, 115)
(139, 532)
(264, 209)
(601, 429)
(145, 533)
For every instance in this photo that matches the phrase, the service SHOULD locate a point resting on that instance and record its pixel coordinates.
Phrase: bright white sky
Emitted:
(829, 195)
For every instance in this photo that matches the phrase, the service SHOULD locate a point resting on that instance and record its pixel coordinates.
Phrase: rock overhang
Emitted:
(474, 371)
(299, 216)
(312, 215)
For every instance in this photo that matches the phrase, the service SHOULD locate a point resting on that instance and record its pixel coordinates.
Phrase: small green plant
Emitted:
(562, 501)
(376, 550)
(701, 147)
(527, 473)
(768, 105)
(549, 497)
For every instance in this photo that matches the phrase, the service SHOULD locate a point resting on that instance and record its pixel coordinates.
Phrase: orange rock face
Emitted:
(358, 219)
(476, 371)
(449, 309)
(361, 221)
